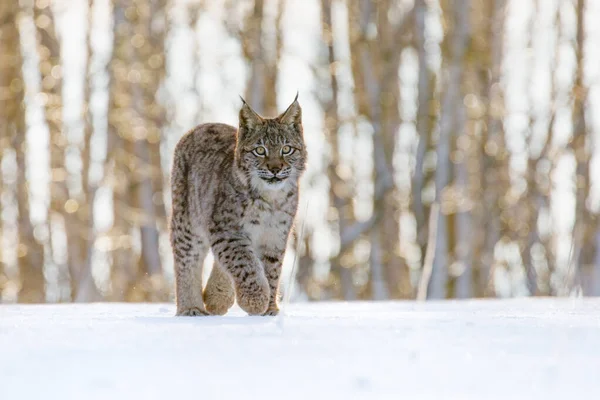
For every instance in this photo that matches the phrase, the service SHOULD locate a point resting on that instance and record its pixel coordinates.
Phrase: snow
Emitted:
(486, 349)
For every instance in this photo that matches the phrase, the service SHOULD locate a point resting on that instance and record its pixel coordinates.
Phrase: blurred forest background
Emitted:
(451, 143)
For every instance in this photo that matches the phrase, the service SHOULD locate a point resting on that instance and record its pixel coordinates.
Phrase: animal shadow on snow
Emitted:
(168, 317)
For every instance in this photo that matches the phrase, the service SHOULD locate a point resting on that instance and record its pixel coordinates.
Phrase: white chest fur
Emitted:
(267, 225)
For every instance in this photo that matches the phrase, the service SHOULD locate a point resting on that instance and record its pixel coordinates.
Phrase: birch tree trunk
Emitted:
(12, 132)
(86, 287)
(261, 90)
(387, 49)
(254, 53)
(493, 155)
(11, 88)
(135, 130)
(339, 189)
(375, 62)
(425, 121)
(30, 252)
(468, 163)
(586, 222)
(151, 25)
(63, 207)
(120, 117)
(454, 49)
(465, 229)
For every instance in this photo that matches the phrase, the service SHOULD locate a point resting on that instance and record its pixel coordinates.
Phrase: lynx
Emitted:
(235, 192)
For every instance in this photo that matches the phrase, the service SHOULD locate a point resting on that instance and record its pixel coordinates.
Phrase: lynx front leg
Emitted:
(272, 262)
(235, 255)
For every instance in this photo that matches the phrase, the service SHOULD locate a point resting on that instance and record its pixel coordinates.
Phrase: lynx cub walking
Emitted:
(235, 191)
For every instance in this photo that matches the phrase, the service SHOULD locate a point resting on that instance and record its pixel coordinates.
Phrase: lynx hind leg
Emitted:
(189, 253)
(219, 295)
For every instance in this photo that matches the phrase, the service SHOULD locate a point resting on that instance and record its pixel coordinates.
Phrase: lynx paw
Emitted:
(271, 312)
(254, 298)
(192, 312)
(218, 302)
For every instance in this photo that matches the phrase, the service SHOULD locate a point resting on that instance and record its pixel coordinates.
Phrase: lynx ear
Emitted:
(293, 114)
(249, 119)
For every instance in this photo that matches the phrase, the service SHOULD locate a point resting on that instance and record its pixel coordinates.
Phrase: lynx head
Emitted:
(271, 151)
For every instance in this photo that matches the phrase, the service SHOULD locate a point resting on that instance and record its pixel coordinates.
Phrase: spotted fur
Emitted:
(235, 192)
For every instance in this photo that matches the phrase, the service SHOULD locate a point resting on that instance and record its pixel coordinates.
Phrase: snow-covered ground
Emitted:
(514, 349)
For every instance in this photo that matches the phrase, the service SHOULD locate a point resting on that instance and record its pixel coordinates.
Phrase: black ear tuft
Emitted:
(249, 119)
(293, 114)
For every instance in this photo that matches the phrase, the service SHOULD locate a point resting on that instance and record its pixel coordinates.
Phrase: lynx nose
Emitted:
(275, 170)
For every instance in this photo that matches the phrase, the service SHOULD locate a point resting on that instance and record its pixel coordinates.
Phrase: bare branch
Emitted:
(429, 254)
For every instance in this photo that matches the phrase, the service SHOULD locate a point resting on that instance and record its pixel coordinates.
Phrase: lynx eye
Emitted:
(287, 150)
(260, 151)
